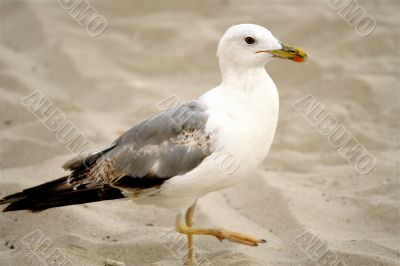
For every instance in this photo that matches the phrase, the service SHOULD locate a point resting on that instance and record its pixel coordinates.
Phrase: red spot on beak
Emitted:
(298, 59)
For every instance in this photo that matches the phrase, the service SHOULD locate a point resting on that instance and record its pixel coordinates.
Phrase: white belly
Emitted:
(246, 139)
(244, 129)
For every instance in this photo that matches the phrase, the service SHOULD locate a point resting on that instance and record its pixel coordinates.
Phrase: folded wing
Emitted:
(168, 144)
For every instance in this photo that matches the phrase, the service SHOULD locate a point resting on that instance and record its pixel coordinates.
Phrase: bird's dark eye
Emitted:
(249, 40)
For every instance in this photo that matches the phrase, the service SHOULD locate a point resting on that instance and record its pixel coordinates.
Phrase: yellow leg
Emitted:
(189, 223)
(221, 234)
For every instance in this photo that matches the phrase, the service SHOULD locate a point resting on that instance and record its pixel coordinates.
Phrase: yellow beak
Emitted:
(288, 52)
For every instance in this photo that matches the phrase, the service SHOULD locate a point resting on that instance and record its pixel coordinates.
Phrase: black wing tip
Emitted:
(43, 201)
(12, 198)
(23, 206)
(14, 201)
(12, 207)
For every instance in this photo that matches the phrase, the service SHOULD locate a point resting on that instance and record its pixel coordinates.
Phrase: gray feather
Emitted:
(167, 144)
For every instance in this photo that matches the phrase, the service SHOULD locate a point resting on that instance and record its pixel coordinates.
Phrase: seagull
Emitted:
(182, 153)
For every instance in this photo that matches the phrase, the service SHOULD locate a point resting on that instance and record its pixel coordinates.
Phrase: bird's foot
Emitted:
(235, 237)
(221, 234)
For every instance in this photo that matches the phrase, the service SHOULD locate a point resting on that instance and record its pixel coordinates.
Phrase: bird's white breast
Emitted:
(244, 121)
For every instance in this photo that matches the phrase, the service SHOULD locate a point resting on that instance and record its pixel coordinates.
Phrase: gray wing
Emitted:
(170, 143)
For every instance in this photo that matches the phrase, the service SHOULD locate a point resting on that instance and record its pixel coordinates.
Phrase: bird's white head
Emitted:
(250, 45)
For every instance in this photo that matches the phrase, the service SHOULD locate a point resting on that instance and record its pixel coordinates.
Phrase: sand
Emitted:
(309, 202)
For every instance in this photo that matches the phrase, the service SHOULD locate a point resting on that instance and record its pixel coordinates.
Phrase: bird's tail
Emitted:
(58, 193)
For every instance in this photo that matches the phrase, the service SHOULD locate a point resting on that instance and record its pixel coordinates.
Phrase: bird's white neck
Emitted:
(232, 74)
(251, 84)
(244, 91)
(244, 109)
(245, 77)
